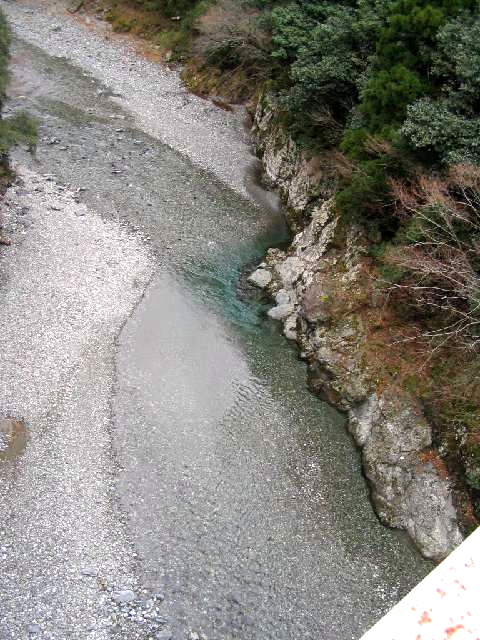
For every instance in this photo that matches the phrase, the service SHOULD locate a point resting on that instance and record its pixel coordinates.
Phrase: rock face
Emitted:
(320, 285)
(301, 178)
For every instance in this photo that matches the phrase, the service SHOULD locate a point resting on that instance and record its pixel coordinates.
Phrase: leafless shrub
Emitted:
(229, 36)
(324, 116)
(440, 256)
(379, 146)
(344, 167)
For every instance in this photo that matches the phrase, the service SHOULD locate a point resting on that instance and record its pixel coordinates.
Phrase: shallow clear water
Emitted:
(242, 492)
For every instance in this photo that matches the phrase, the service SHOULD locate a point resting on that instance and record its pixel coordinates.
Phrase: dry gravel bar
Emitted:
(84, 276)
(210, 137)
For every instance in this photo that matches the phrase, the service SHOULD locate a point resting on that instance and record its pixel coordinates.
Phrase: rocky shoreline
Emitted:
(319, 286)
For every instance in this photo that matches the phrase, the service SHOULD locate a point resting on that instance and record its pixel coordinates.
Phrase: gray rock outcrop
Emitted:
(318, 286)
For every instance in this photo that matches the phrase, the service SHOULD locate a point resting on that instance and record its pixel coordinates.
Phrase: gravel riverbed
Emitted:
(71, 280)
(164, 472)
(211, 138)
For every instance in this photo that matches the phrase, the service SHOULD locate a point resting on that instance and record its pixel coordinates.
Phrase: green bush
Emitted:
(4, 48)
(367, 190)
(169, 7)
(370, 61)
(18, 129)
(327, 47)
(456, 63)
(292, 26)
(432, 127)
(21, 128)
(387, 95)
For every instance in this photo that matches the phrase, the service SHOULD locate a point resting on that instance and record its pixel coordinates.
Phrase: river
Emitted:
(239, 494)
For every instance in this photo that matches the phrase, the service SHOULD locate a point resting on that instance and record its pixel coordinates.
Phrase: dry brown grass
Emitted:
(206, 81)
(441, 254)
(230, 52)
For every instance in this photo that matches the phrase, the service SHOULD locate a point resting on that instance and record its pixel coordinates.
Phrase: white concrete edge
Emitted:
(443, 606)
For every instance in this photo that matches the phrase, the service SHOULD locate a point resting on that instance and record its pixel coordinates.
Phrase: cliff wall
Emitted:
(327, 299)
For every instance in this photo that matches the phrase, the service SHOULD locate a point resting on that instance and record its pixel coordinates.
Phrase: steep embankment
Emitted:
(325, 295)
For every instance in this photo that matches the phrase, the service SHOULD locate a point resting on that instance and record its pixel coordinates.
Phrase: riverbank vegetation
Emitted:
(20, 128)
(392, 89)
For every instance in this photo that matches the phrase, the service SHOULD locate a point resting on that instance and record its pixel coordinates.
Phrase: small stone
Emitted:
(89, 572)
(56, 28)
(193, 635)
(160, 619)
(126, 595)
(33, 629)
(159, 596)
(235, 598)
(5, 241)
(163, 635)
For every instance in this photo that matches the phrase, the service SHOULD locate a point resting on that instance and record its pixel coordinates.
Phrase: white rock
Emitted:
(124, 596)
(281, 311)
(283, 297)
(290, 270)
(290, 327)
(261, 278)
